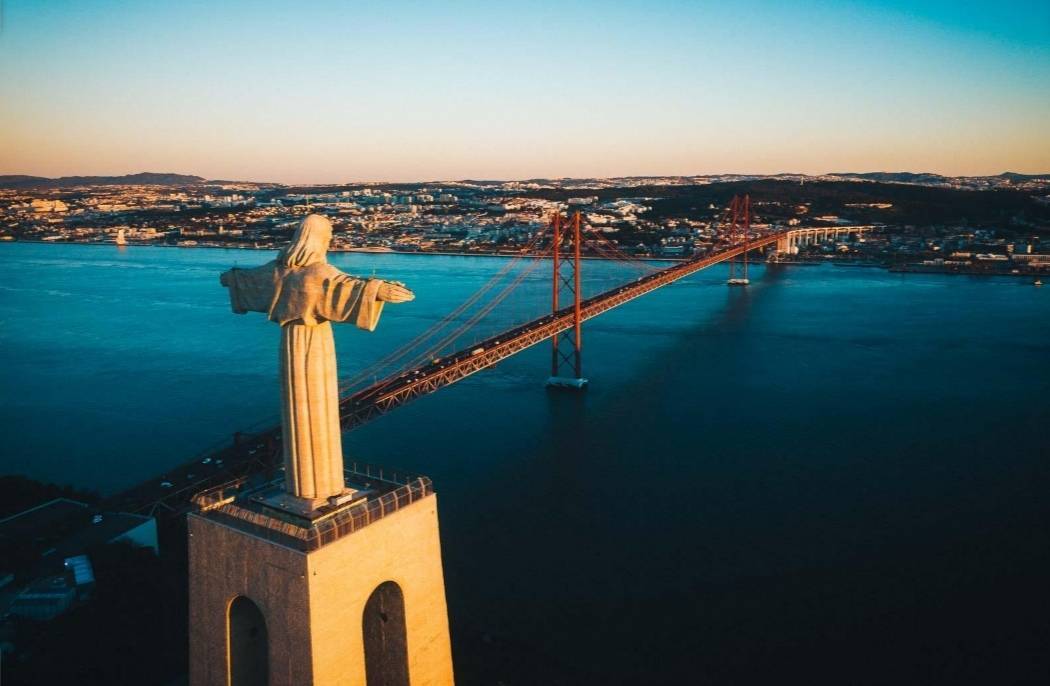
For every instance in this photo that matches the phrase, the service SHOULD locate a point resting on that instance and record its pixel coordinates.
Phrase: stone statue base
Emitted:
(309, 509)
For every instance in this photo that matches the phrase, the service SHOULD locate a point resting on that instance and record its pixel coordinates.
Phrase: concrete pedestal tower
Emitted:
(343, 595)
(330, 575)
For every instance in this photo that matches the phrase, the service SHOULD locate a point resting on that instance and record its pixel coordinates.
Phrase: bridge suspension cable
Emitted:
(480, 314)
(432, 331)
(611, 251)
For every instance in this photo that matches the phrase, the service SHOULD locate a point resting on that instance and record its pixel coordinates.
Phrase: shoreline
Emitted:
(895, 269)
(334, 251)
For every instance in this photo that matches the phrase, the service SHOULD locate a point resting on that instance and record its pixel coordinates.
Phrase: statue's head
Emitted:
(309, 244)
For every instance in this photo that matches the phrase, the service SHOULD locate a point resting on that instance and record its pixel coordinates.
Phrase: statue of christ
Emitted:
(302, 293)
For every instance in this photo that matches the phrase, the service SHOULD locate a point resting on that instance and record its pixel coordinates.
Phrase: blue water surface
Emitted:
(837, 474)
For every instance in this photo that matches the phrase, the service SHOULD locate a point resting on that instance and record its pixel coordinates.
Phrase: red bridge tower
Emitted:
(566, 364)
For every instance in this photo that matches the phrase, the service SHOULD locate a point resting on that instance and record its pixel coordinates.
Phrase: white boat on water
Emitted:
(738, 282)
(1037, 282)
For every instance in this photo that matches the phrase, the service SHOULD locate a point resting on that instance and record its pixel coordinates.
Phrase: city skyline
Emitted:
(402, 93)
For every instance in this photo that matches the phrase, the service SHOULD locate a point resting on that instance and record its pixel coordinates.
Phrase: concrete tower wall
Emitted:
(314, 602)
(403, 548)
(226, 563)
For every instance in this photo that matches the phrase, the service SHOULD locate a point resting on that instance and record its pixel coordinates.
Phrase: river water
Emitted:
(836, 475)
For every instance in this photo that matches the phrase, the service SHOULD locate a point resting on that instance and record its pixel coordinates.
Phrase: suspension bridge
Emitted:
(423, 369)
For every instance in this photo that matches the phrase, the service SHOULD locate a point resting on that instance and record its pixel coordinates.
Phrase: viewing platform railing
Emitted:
(228, 502)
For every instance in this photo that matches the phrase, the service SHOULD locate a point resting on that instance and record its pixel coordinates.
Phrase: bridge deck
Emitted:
(391, 393)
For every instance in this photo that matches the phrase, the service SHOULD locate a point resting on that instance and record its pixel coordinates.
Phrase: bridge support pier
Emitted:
(566, 359)
(569, 382)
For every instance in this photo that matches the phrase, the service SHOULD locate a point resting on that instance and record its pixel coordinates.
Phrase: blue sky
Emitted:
(326, 92)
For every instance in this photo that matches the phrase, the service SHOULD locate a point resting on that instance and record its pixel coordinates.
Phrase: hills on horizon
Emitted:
(140, 179)
(28, 182)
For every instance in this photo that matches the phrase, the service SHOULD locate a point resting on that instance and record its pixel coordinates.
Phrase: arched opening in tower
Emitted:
(385, 637)
(249, 644)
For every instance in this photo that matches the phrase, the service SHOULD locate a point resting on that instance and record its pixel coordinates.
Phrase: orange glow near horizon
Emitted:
(417, 94)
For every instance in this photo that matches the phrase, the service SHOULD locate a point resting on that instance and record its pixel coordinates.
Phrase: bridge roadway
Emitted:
(170, 493)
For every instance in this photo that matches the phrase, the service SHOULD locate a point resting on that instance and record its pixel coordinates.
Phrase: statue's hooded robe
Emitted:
(303, 293)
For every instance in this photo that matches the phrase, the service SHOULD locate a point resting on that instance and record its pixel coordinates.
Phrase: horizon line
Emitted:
(525, 179)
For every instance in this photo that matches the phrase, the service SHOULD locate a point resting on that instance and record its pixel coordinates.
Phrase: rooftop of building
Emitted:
(42, 518)
(64, 527)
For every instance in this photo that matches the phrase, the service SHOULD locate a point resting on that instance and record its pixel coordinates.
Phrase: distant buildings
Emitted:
(502, 217)
(40, 205)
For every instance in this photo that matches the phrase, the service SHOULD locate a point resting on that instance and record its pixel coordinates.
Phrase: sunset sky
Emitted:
(343, 91)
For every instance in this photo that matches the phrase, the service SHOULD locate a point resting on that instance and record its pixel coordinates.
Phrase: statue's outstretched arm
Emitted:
(251, 290)
(360, 301)
(394, 292)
